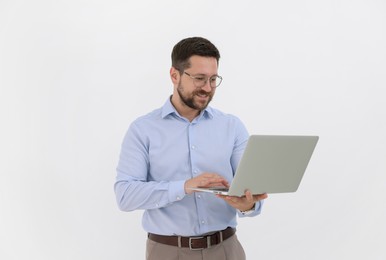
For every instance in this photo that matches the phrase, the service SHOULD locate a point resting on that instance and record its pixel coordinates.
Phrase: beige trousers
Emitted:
(229, 249)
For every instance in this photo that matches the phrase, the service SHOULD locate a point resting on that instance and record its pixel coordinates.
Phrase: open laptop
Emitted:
(270, 164)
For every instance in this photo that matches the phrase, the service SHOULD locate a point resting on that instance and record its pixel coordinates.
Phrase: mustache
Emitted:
(202, 92)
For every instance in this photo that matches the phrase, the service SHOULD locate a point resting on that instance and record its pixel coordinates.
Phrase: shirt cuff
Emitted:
(248, 212)
(176, 191)
(253, 212)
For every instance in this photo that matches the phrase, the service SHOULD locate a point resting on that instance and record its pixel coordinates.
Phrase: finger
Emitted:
(226, 183)
(249, 196)
(230, 198)
(235, 200)
(211, 175)
(219, 181)
(260, 197)
(221, 196)
(213, 183)
(214, 178)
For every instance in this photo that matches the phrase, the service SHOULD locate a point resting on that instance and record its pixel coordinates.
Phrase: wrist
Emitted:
(186, 187)
(249, 210)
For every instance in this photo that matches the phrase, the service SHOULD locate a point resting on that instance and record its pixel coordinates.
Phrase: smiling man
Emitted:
(183, 145)
(196, 85)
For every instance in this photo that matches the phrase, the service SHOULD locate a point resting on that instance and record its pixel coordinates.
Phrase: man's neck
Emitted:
(184, 110)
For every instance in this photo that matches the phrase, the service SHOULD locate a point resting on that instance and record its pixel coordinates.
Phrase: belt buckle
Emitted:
(199, 248)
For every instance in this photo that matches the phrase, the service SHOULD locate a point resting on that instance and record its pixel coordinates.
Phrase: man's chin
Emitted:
(201, 106)
(202, 103)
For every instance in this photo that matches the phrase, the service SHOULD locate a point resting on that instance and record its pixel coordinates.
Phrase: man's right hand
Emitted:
(205, 180)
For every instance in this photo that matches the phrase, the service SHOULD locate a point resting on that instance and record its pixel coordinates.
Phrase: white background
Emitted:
(74, 74)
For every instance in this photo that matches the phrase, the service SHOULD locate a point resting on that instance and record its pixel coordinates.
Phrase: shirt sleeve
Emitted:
(240, 142)
(132, 189)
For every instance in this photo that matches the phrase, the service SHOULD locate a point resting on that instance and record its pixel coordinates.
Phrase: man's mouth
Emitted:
(202, 94)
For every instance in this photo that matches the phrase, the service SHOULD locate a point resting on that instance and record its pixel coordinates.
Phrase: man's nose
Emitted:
(207, 86)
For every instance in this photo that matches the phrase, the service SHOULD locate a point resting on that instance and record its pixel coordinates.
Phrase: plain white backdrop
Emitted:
(74, 74)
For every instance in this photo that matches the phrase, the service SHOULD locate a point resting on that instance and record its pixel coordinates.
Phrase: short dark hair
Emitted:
(188, 47)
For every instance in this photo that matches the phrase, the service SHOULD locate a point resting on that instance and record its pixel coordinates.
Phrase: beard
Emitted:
(192, 99)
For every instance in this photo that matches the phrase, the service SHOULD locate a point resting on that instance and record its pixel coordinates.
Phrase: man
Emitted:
(182, 145)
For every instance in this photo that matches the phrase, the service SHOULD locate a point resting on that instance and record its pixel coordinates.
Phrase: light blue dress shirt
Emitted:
(162, 150)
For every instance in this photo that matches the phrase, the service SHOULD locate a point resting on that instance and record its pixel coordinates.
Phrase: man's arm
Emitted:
(132, 188)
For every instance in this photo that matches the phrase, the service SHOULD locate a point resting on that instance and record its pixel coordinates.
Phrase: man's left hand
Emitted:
(243, 203)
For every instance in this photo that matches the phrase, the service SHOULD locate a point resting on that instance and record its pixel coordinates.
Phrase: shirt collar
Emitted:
(168, 109)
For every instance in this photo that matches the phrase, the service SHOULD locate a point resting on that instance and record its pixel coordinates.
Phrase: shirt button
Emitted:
(202, 222)
(199, 196)
(178, 198)
(193, 147)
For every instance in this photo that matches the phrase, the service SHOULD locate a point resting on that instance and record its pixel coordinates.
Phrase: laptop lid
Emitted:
(271, 164)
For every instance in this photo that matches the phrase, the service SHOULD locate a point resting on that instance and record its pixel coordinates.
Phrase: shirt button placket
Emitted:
(195, 172)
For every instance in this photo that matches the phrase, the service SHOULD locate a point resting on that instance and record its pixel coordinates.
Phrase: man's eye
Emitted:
(200, 78)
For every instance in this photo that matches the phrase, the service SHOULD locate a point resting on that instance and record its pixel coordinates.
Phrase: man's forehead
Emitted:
(208, 63)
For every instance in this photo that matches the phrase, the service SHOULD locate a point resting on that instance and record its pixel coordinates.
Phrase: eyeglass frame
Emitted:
(206, 80)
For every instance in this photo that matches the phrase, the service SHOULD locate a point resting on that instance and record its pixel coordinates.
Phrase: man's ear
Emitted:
(174, 75)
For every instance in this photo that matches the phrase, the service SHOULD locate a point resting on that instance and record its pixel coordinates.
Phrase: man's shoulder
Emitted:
(150, 116)
(219, 114)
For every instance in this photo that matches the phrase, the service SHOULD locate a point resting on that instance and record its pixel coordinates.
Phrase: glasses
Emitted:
(200, 81)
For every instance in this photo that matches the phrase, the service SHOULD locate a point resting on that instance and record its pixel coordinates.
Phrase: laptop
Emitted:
(270, 164)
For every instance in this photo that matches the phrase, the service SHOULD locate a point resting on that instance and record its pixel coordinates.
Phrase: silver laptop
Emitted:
(270, 164)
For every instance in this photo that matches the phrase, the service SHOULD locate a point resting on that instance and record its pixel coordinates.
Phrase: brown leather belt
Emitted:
(194, 243)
